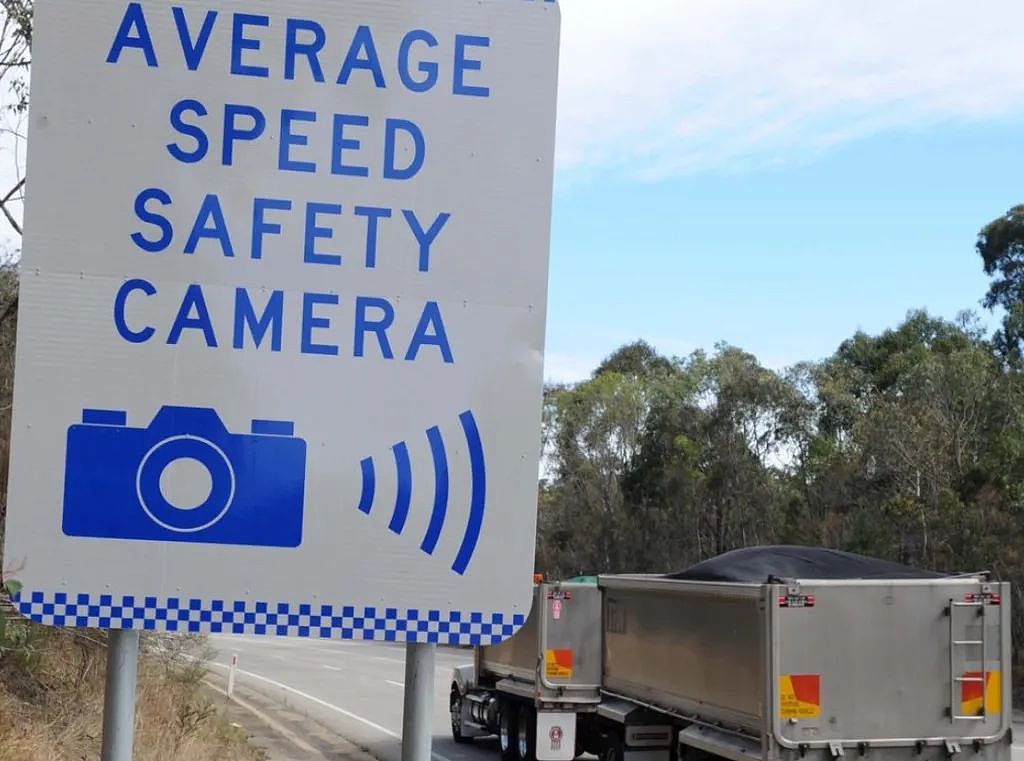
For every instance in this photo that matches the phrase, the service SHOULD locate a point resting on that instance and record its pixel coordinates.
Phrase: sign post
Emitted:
(119, 696)
(417, 732)
(281, 324)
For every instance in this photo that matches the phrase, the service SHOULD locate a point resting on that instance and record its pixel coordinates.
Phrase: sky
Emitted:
(776, 175)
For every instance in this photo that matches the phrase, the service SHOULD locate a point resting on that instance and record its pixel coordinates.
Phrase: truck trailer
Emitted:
(652, 668)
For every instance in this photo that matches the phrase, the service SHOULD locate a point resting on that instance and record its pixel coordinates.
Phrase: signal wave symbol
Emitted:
(403, 500)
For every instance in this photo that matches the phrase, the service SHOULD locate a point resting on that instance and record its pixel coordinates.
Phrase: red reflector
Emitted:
(796, 601)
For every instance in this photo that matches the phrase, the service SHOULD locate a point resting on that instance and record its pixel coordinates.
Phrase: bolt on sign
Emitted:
(282, 316)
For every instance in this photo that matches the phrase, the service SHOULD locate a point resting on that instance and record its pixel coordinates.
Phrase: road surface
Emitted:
(356, 688)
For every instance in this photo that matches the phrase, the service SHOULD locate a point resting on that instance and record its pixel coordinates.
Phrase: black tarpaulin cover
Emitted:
(759, 565)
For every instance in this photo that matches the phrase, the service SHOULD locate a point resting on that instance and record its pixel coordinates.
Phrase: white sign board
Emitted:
(282, 316)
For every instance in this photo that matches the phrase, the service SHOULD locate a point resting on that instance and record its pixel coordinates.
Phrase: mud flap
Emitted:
(556, 736)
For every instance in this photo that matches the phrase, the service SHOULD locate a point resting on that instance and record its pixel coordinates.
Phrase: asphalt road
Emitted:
(354, 688)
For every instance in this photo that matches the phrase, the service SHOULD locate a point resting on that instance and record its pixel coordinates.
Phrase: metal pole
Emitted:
(119, 700)
(417, 732)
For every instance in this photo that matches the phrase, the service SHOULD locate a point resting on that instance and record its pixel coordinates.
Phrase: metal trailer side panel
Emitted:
(560, 644)
(884, 663)
(691, 648)
(863, 664)
(514, 658)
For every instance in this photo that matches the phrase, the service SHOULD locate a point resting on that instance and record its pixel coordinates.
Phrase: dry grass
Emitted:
(51, 701)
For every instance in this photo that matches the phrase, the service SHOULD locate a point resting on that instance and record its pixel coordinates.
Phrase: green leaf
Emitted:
(12, 587)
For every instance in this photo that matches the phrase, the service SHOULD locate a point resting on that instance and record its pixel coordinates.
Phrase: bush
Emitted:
(51, 699)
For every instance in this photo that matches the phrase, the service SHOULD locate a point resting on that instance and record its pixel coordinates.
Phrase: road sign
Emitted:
(282, 316)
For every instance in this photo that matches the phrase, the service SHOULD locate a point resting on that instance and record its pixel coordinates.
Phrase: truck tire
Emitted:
(614, 748)
(526, 734)
(455, 709)
(507, 731)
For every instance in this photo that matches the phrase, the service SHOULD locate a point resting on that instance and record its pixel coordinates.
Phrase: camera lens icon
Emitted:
(165, 459)
(184, 477)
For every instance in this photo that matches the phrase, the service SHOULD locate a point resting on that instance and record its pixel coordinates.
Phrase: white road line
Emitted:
(397, 684)
(325, 704)
(318, 701)
(386, 660)
(278, 728)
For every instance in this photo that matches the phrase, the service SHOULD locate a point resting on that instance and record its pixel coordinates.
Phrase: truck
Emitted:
(653, 668)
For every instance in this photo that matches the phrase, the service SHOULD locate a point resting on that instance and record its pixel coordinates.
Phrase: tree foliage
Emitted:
(1001, 246)
(908, 445)
(15, 58)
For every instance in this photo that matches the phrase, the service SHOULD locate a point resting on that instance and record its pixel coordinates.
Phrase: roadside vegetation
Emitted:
(907, 445)
(51, 699)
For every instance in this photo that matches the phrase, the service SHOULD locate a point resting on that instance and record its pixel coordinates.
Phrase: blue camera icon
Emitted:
(237, 489)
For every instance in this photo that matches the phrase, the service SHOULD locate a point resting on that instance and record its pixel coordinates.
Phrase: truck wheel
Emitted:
(455, 708)
(527, 734)
(613, 748)
(507, 731)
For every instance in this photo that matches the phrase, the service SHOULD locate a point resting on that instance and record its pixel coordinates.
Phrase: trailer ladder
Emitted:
(958, 679)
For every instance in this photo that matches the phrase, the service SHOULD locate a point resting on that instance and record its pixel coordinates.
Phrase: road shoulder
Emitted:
(283, 733)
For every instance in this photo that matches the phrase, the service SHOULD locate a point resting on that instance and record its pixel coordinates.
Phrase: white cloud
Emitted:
(663, 87)
(656, 88)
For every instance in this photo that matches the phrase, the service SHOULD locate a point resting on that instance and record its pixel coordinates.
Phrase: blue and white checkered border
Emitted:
(174, 614)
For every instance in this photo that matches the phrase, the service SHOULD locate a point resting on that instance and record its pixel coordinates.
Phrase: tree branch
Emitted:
(7, 212)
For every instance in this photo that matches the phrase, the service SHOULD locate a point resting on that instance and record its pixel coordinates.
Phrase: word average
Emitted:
(410, 66)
